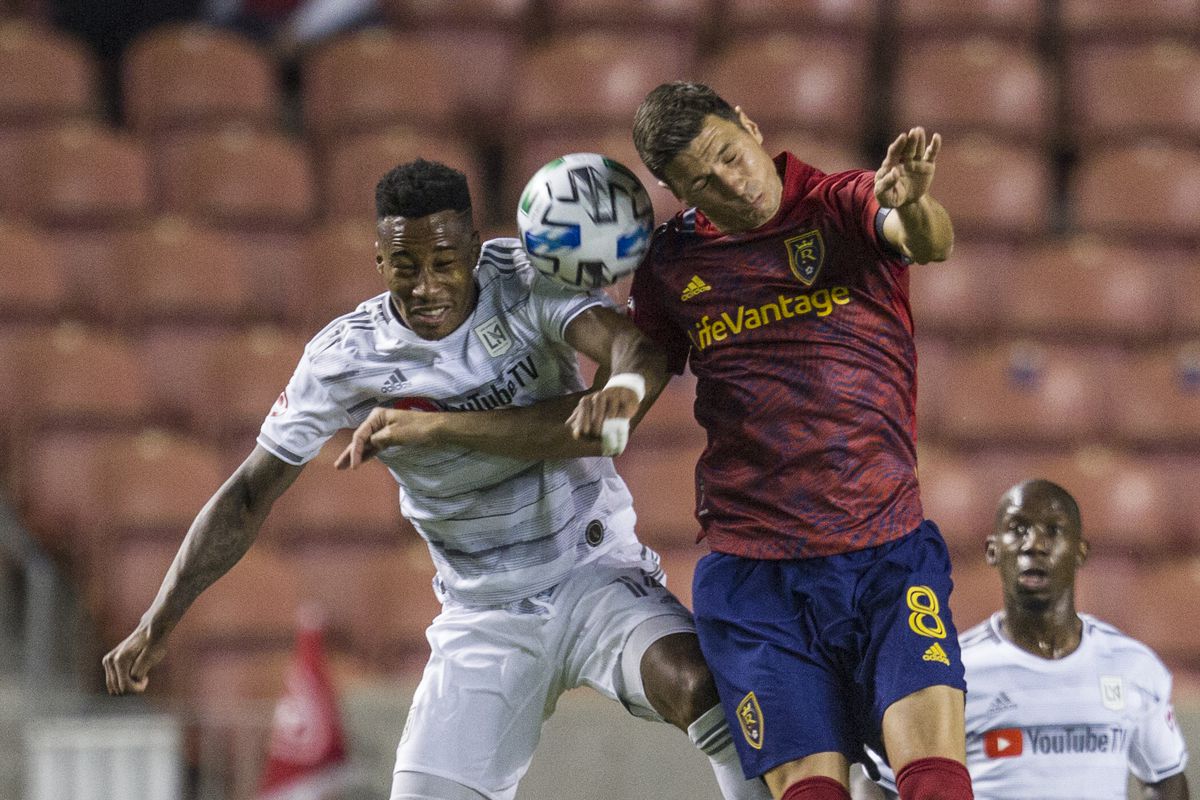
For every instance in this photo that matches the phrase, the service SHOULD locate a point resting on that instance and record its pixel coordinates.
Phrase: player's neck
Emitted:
(1051, 633)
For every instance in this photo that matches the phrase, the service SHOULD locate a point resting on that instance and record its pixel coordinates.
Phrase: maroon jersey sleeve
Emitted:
(851, 197)
(647, 310)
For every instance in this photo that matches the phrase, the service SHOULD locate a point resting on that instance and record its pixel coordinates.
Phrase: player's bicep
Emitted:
(261, 479)
(593, 331)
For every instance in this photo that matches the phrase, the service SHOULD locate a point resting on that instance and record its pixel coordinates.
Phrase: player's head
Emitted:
(427, 246)
(709, 154)
(1037, 545)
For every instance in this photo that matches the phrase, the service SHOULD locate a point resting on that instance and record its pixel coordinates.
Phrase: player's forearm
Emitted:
(925, 230)
(534, 432)
(220, 535)
(632, 352)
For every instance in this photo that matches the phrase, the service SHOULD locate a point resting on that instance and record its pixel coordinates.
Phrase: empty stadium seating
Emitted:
(1164, 179)
(980, 85)
(1122, 21)
(759, 16)
(48, 76)
(795, 81)
(948, 18)
(1160, 396)
(192, 76)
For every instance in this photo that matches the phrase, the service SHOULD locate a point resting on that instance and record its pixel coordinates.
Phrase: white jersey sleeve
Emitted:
(305, 416)
(1157, 749)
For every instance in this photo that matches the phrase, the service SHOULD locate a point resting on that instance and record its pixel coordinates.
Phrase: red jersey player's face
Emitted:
(429, 265)
(1037, 546)
(726, 173)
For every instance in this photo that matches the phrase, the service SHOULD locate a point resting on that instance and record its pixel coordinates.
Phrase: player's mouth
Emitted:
(429, 315)
(1033, 579)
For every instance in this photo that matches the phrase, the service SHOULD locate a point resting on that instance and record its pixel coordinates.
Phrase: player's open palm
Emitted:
(907, 169)
(127, 666)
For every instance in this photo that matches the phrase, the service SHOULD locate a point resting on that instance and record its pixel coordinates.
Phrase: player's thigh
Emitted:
(420, 786)
(912, 666)
(926, 723)
(477, 714)
(784, 694)
(619, 610)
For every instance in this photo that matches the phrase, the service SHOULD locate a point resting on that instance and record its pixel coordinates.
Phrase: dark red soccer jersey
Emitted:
(801, 339)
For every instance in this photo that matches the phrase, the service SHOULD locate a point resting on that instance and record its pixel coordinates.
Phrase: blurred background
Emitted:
(186, 197)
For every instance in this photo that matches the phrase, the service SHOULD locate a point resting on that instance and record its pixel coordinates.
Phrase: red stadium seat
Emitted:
(1122, 91)
(531, 151)
(326, 505)
(963, 295)
(979, 85)
(153, 485)
(685, 18)
(1185, 306)
(1165, 180)
(1118, 19)
(237, 178)
(177, 272)
(35, 282)
(959, 492)
(1089, 289)
(194, 76)
(353, 165)
(614, 72)
(1022, 391)
(1168, 591)
(796, 81)
(824, 154)
(994, 190)
(350, 84)
(339, 270)
(1159, 391)
(83, 175)
(997, 17)
(976, 592)
(48, 76)
(1128, 504)
(378, 597)
(1104, 586)
(466, 14)
(78, 376)
(662, 481)
(933, 365)
(760, 16)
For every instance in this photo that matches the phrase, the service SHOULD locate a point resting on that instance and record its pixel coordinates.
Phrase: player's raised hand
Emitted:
(127, 666)
(605, 415)
(384, 428)
(907, 169)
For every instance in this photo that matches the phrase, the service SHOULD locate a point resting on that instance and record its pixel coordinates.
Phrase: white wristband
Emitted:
(614, 435)
(629, 380)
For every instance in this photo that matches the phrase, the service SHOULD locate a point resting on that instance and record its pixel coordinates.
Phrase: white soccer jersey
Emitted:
(1068, 728)
(499, 529)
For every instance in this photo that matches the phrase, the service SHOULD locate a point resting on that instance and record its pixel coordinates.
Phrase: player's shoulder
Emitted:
(352, 332)
(981, 638)
(1115, 643)
(505, 268)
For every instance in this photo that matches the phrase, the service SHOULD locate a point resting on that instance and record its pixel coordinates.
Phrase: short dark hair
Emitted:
(420, 188)
(669, 119)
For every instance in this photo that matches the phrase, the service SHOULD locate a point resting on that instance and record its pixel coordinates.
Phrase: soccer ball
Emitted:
(585, 220)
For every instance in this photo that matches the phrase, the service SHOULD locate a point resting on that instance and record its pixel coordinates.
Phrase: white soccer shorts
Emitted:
(496, 672)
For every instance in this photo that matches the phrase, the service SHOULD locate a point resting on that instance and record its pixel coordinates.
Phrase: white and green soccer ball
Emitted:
(585, 220)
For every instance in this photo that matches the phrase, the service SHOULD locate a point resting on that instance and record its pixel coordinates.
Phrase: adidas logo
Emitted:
(394, 382)
(936, 653)
(1002, 702)
(695, 287)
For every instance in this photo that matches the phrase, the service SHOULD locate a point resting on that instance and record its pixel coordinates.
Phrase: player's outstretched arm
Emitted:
(920, 228)
(569, 426)
(1172, 788)
(220, 535)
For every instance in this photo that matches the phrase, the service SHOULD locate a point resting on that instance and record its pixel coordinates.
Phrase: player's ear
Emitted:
(378, 258)
(989, 550)
(750, 125)
(1081, 553)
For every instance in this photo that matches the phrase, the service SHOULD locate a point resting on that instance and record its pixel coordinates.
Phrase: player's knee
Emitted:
(695, 693)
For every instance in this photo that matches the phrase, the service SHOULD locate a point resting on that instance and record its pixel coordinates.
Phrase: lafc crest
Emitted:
(750, 719)
(806, 255)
